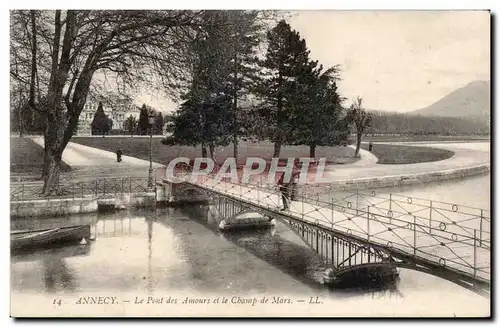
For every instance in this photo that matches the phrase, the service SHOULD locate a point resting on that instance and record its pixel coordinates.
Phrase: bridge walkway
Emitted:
(461, 245)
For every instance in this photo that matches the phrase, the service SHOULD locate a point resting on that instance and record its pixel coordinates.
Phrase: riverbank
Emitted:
(427, 138)
(469, 159)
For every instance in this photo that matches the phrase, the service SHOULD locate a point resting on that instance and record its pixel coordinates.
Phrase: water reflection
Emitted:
(280, 247)
(182, 250)
(387, 290)
(149, 221)
(57, 273)
(472, 191)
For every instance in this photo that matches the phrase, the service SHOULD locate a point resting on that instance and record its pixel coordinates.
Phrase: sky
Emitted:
(395, 60)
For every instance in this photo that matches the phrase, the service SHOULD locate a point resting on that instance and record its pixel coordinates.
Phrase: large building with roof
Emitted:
(117, 110)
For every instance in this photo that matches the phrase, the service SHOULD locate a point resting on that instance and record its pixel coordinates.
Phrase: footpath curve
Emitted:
(469, 159)
(89, 162)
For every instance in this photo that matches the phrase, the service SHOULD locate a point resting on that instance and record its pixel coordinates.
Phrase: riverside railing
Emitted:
(83, 187)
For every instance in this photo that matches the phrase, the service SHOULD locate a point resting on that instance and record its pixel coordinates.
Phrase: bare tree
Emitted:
(361, 119)
(24, 64)
(132, 46)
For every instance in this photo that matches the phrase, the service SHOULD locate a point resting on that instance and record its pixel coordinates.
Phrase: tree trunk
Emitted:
(279, 107)
(312, 150)
(212, 150)
(203, 150)
(236, 122)
(31, 100)
(277, 149)
(20, 111)
(21, 123)
(358, 145)
(51, 172)
(235, 147)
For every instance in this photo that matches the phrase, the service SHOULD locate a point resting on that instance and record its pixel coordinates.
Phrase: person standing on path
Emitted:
(118, 155)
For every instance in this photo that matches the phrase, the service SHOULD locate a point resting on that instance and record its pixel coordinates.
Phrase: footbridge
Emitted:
(353, 230)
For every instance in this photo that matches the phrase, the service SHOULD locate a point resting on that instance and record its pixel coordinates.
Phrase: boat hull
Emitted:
(49, 237)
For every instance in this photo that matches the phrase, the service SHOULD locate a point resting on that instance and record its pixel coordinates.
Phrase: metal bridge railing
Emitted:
(462, 245)
(84, 187)
(433, 214)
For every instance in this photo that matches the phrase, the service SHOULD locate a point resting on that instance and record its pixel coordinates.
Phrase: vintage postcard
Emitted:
(250, 163)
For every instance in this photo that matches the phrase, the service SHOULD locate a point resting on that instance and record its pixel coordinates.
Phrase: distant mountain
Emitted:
(470, 101)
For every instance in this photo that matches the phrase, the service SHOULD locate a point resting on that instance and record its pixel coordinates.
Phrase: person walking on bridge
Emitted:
(288, 188)
(283, 189)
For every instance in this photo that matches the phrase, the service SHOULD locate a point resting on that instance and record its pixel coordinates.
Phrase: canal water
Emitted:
(181, 251)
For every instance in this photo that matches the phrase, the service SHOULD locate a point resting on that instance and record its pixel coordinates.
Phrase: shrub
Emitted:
(169, 140)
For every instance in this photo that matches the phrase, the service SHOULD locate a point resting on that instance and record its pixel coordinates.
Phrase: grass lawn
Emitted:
(26, 157)
(139, 147)
(402, 154)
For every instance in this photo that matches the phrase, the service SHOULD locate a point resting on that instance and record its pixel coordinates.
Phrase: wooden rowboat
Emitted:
(42, 238)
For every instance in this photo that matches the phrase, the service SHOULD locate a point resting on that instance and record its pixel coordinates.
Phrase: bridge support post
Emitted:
(475, 256)
(303, 200)
(333, 252)
(368, 222)
(415, 236)
(481, 229)
(317, 241)
(350, 254)
(338, 241)
(430, 218)
(357, 200)
(333, 215)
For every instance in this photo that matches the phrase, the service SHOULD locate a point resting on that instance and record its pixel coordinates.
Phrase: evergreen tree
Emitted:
(158, 124)
(317, 110)
(109, 125)
(243, 38)
(130, 124)
(101, 124)
(286, 55)
(205, 115)
(187, 124)
(143, 124)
